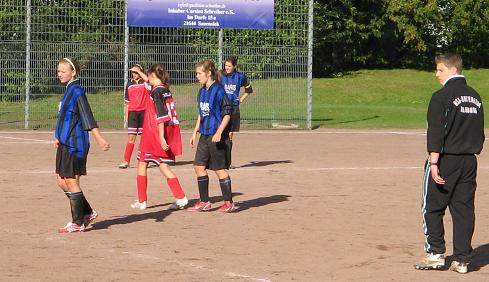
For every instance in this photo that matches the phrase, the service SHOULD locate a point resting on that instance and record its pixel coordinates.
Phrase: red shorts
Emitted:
(147, 157)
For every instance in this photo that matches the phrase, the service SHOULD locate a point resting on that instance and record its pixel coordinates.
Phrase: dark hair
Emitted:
(208, 65)
(450, 60)
(160, 71)
(231, 60)
(139, 66)
(73, 63)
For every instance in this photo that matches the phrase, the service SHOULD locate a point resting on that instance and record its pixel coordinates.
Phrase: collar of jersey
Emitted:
(453, 76)
(72, 81)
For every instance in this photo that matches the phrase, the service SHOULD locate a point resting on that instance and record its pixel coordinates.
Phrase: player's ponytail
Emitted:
(208, 65)
(161, 73)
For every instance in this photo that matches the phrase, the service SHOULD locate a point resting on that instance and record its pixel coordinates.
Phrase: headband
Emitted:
(71, 63)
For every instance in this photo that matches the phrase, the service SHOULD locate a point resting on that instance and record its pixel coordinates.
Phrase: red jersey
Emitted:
(161, 109)
(137, 93)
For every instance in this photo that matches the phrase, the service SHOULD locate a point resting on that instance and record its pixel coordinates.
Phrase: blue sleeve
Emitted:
(85, 112)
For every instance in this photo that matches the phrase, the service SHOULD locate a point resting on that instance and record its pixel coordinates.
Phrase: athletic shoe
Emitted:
(431, 261)
(124, 164)
(200, 206)
(89, 218)
(228, 206)
(179, 204)
(459, 267)
(138, 205)
(71, 227)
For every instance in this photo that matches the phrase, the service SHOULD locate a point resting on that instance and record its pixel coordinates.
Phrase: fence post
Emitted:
(310, 32)
(221, 46)
(126, 58)
(28, 20)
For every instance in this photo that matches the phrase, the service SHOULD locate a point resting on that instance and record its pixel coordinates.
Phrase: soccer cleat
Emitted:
(89, 218)
(431, 261)
(228, 206)
(179, 204)
(459, 267)
(71, 227)
(124, 164)
(200, 206)
(138, 205)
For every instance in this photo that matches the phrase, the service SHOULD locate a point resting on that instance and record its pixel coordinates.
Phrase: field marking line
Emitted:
(150, 257)
(117, 170)
(251, 132)
(24, 139)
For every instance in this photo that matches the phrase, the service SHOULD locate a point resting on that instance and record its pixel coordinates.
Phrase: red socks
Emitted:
(128, 152)
(142, 181)
(175, 188)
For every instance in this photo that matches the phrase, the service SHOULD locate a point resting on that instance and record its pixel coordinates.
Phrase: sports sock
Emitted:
(203, 183)
(128, 152)
(142, 182)
(77, 207)
(87, 209)
(175, 188)
(226, 189)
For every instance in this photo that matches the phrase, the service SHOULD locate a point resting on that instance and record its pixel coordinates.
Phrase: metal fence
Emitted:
(35, 34)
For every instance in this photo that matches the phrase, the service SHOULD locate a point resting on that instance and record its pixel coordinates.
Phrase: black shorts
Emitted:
(68, 165)
(235, 119)
(214, 156)
(135, 122)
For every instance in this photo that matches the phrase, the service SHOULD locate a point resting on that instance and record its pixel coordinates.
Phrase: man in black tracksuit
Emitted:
(455, 134)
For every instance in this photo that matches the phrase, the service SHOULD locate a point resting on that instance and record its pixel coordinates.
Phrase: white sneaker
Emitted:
(431, 261)
(138, 205)
(179, 204)
(459, 267)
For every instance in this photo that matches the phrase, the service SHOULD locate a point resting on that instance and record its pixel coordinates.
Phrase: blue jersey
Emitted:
(75, 119)
(213, 105)
(233, 82)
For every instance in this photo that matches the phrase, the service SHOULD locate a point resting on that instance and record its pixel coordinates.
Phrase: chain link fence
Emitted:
(35, 34)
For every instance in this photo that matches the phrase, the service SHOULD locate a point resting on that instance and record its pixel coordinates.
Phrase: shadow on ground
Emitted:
(260, 202)
(265, 163)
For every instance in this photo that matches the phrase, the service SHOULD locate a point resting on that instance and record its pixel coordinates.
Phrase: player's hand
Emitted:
(192, 139)
(56, 143)
(104, 145)
(165, 146)
(435, 174)
(216, 138)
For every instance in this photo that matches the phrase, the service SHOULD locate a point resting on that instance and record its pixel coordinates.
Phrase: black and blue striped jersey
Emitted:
(75, 119)
(213, 105)
(233, 82)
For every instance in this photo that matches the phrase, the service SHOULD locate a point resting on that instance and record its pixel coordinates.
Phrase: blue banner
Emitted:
(243, 14)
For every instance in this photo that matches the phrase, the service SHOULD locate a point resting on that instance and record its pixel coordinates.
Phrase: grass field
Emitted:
(382, 98)
(361, 99)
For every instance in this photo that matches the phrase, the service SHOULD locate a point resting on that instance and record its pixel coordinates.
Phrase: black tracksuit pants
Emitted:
(458, 192)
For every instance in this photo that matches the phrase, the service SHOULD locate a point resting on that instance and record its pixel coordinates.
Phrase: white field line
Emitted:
(237, 170)
(141, 256)
(21, 140)
(251, 132)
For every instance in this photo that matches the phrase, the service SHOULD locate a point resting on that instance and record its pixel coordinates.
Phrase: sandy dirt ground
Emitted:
(322, 205)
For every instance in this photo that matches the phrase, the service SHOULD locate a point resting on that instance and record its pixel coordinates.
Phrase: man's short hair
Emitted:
(451, 60)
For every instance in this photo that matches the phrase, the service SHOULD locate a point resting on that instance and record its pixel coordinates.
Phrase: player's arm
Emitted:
(226, 110)
(194, 132)
(435, 137)
(89, 123)
(248, 89)
(126, 104)
(143, 76)
(161, 115)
